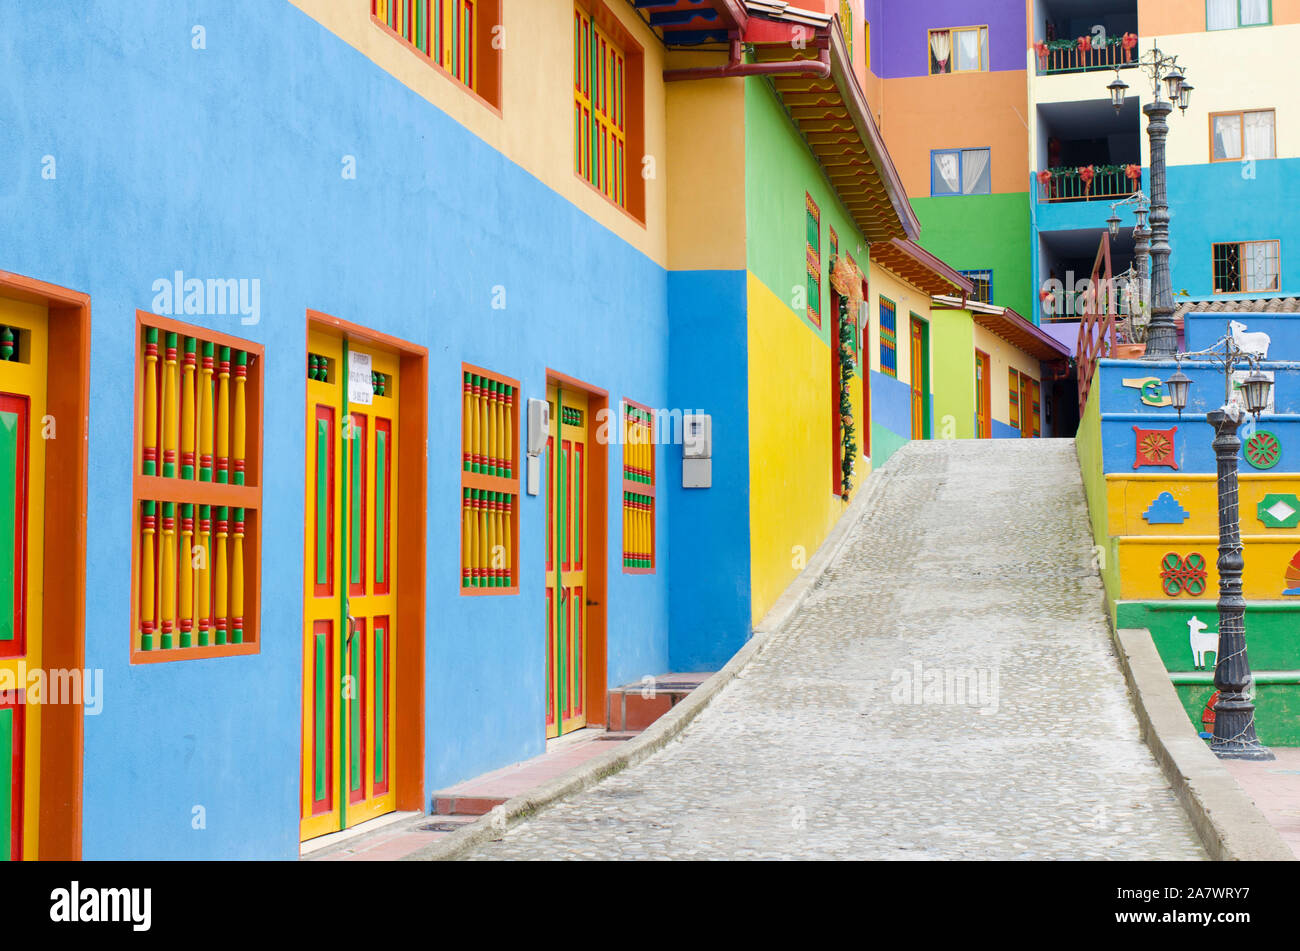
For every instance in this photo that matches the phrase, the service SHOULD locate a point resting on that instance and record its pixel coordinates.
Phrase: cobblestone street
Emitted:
(974, 564)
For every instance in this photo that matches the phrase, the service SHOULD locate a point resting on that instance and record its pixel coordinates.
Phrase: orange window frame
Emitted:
(608, 107)
(471, 481)
(473, 62)
(178, 490)
(1241, 114)
(640, 480)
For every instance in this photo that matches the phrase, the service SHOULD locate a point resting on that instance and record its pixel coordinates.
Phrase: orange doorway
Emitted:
(983, 396)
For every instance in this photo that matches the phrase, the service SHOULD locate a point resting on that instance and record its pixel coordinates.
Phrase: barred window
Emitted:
(888, 338)
(983, 281)
(489, 482)
(1247, 266)
(197, 496)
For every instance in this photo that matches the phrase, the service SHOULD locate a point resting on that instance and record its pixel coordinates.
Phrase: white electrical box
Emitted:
(697, 436)
(539, 425)
(697, 451)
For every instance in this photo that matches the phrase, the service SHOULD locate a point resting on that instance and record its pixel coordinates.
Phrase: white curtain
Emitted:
(1254, 12)
(1261, 266)
(1221, 14)
(968, 49)
(940, 46)
(1227, 137)
(1259, 135)
(945, 166)
(974, 168)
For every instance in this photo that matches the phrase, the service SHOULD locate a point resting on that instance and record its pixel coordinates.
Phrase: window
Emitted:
(983, 281)
(1246, 267)
(1230, 14)
(888, 339)
(608, 107)
(489, 481)
(638, 489)
(197, 496)
(814, 260)
(1034, 409)
(960, 172)
(454, 35)
(1237, 135)
(1014, 394)
(959, 50)
(846, 23)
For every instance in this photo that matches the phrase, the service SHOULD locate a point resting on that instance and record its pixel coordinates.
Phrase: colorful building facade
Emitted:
(347, 352)
(1152, 485)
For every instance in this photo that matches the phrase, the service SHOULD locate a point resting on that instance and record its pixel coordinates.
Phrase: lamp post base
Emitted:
(1242, 751)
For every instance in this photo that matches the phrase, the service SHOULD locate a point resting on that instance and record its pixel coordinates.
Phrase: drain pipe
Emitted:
(736, 66)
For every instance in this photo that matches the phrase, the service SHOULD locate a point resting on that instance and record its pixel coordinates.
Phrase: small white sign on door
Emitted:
(361, 387)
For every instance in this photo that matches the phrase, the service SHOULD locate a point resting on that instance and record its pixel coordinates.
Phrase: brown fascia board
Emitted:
(855, 100)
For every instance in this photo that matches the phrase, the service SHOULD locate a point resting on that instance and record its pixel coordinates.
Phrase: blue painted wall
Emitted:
(709, 580)
(226, 162)
(891, 416)
(1262, 208)
(1001, 430)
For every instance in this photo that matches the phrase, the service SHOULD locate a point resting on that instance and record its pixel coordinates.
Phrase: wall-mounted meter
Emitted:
(539, 426)
(697, 451)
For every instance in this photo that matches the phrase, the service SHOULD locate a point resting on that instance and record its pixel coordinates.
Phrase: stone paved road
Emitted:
(975, 558)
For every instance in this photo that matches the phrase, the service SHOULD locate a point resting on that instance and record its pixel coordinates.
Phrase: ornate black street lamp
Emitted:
(1234, 714)
(1141, 242)
(1162, 335)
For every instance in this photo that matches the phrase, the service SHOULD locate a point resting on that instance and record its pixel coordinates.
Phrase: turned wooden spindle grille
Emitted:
(489, 483)
(197, 492)
(638, 488)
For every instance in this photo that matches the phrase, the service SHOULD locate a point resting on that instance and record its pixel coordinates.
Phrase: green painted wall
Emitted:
(1277, 710)
(1087, 443)
(959, 230)
(1272, 630)
(779, 170)
(952, 336)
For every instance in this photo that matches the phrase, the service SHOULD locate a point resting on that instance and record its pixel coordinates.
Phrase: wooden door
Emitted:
(350, 589)
(566, 562)
(983, 396)
(1026, 408)
(920, 374)
(23, 379)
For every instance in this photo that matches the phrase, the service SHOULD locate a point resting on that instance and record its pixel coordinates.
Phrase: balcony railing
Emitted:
(1076, 184)
(1080, 56)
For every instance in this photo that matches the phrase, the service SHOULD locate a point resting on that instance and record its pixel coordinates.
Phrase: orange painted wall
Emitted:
(1163, 18)
(961, 110)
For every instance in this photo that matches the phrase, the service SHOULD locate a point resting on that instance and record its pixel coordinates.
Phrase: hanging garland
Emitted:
(847, 280)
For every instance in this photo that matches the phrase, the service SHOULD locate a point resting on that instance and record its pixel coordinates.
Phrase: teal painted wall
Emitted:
(984, 231)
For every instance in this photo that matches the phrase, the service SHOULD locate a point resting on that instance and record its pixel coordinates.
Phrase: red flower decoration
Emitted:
(1133, 172)
(1084, 44)
(1044, 177)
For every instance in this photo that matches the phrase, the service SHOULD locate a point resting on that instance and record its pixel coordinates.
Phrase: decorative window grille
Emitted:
(1246, 267)
(445, 31)
(888, 338)
(489, 483)
(813, 243)
(638, 489)
(600, 108)
(197, 495)
(1014, 394)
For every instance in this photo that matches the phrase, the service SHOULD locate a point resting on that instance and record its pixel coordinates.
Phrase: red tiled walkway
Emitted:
(1275, 787)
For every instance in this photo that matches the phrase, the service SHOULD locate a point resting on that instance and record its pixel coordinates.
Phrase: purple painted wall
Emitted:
(874, 13)
(903, 24)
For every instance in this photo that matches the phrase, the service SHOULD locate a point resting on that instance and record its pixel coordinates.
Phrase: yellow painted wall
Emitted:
(1130, 496)
(1266, 558)
(1002, 358)
(1231, 69)
(706, 159)
(535, 127)
(791, 506)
